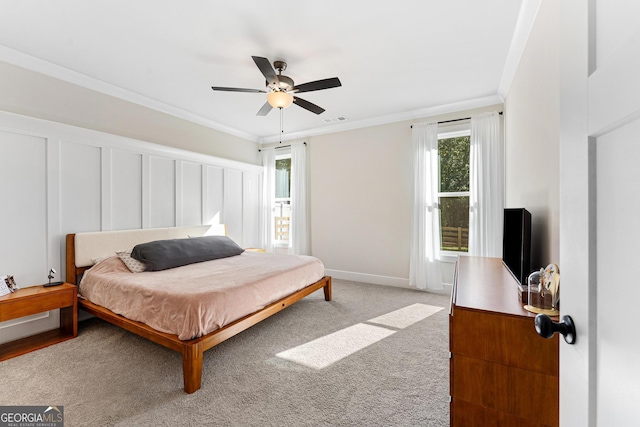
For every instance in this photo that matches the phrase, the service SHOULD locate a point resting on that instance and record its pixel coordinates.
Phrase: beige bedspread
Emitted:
(200, 298)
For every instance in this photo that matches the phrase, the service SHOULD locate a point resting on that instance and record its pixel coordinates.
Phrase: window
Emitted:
(453, 195)
(282, 208)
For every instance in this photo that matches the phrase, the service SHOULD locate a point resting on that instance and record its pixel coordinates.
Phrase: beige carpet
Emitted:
(109, 377)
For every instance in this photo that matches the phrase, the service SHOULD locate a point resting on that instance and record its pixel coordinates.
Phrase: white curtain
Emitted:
(299, 230)
(424, 263)
(268, 199)
(486, 186)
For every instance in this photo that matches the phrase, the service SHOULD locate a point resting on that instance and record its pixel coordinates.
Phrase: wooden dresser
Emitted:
(502, 372)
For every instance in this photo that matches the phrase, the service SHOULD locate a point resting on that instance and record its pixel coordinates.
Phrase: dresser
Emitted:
(502, 373)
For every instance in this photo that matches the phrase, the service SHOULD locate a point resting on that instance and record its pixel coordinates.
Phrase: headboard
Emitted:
(83, 248)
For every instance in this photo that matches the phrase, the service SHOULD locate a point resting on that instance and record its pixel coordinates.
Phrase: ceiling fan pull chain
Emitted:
(281, 124)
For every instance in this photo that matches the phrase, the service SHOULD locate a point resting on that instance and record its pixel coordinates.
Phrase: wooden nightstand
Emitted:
(36, 299)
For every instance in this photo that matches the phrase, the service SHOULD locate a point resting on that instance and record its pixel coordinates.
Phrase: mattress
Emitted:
(197, 299)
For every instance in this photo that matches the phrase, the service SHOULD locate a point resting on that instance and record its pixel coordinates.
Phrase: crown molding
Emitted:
(38, 65)
(32, 63)
(526, 18)
(392, 118)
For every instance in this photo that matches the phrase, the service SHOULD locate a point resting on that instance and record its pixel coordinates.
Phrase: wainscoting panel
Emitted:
(23, 223)
(191, 203)
(80, 187)
(232, 210)
(162, 192)
(23, 194)
(126, 190)
(213, 194)
(251, 209)
(57, 179)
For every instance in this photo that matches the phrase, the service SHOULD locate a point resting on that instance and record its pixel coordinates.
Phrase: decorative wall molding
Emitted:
(23, 60)
(526, 18)
(393, 118)
(63, 179)
(47, 129)
(38, 65)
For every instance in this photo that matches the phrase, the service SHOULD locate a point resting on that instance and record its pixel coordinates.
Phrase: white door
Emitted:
(600, 211)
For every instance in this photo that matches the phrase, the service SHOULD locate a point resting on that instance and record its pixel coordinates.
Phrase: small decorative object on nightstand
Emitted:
(4, 289)
(37, 299)
(7, 285)
(51, 276)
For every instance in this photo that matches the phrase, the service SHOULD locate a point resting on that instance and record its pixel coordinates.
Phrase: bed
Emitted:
(261, 274)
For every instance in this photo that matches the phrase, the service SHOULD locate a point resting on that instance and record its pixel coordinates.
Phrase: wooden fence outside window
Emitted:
(455, 239)
(282, 227)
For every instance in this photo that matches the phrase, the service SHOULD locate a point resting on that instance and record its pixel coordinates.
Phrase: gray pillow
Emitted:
(165, 254)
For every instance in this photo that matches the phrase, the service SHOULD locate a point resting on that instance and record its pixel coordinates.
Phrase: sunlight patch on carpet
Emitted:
(406, 316)
(325, 351)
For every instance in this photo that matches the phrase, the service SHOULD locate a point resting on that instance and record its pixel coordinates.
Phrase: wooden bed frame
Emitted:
(191, 350)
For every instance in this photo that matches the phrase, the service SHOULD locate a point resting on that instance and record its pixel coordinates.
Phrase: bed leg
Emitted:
(192, 367)
(327, 290)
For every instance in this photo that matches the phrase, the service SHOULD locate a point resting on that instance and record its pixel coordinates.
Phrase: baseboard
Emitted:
(11, 330)
(375, 279)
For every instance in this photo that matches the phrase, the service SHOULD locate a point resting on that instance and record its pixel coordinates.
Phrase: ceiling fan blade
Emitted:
(266, 69)
(307, 105)
(318, 85)
(264, 110)
(237, 89)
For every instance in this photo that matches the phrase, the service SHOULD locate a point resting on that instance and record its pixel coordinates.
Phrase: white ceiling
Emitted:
(395, 60)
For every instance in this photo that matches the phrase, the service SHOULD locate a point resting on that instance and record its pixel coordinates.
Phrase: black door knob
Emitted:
(545, 327)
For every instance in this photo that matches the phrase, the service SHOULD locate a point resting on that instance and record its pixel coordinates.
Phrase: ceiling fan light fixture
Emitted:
(279, 99)
(279, 88)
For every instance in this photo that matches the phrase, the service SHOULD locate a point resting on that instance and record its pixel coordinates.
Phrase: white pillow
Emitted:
(100, 259)
(132, 264)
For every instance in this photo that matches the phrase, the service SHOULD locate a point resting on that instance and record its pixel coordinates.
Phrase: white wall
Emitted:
(532, 132)
(361, 201)
(57, 179)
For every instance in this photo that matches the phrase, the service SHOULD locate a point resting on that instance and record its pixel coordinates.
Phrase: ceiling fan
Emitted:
(279, 88)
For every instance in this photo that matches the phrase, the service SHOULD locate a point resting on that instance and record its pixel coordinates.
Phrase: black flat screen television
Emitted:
(516, 243)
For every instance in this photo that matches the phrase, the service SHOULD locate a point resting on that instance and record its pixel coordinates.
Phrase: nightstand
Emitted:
(254, 249)
(37, 299)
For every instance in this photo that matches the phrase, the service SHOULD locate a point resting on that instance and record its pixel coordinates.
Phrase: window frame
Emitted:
(279, 243)
(458, 129)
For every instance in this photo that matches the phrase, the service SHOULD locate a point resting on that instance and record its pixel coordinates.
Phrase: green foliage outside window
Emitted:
(454, 164)
(284, 164)
(454, 177)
